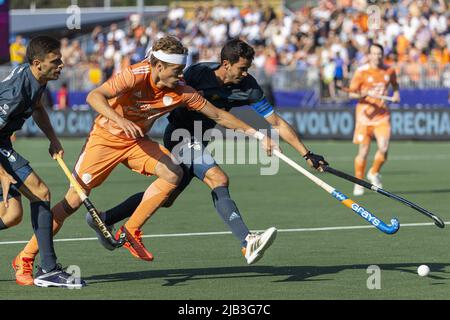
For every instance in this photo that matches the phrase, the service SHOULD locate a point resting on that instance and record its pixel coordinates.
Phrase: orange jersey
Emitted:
(139, 100)
(370, 111)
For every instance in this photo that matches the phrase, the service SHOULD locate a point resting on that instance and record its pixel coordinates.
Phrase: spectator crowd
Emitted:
(331, 37)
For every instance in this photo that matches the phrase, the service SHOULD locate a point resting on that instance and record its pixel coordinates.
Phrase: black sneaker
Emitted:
(57, 278)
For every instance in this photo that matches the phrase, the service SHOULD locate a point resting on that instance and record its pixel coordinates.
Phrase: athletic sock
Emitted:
(3, 226)
(60, 212)
(41, 220)
(360, 167)
(228, 211)
(378, 161)
(155, 195)
(123, 210)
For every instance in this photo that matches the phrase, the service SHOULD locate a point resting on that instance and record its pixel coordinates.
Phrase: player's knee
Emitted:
(71, 202)
(172, 173)
(169, 171)
(362, 154)
(219, 179)
(43, 192)
(13, 215)
(383, 150)
(175, 175)
(15, 220)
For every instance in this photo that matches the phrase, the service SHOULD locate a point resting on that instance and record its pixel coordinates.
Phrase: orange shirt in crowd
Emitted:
(442, 56)
(423, 59)
(363, 22)
(402, 45)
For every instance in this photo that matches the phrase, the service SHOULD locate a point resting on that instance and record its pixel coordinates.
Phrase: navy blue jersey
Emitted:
(19, 93)
(202, 78)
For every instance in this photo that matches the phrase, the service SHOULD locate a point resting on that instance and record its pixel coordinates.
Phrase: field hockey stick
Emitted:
(383, 97)
(437, 221)
(362, 212)
(387, 98)
(90, 207)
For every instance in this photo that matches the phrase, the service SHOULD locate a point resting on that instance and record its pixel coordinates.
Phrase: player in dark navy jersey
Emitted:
(226, 85)
(20, 95)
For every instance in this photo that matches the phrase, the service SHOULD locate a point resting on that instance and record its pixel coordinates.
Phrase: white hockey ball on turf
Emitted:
(423, 270)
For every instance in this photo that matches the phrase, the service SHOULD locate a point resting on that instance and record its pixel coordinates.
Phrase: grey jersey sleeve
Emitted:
(10, 97)
(5, 111)
(7, 108)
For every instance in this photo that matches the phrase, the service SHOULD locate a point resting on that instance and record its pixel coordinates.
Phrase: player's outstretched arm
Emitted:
(288, 134)
(42, 120)
(229, 121)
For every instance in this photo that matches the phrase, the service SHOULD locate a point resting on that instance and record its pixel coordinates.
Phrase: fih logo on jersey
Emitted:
(4, 109)
(8, 154)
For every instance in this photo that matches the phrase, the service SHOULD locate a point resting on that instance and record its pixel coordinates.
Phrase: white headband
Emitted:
(169, 57)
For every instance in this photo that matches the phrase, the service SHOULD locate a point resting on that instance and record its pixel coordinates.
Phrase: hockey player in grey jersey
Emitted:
(20, 95)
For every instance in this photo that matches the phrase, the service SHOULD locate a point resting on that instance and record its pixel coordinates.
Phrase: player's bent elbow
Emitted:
(92, 97)
(89, 97)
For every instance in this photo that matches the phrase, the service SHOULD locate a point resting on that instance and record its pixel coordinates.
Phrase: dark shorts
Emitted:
(190, 152)
(16, 165)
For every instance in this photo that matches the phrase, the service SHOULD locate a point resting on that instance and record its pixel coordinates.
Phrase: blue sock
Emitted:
(229, 213)
(42, 221)
(2, 225)
(123, 210)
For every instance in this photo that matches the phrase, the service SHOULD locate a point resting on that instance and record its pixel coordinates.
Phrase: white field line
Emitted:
(174, 235)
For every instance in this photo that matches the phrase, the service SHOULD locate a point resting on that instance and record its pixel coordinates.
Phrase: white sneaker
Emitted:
(358, 190)
(375, 179)
(257, 244)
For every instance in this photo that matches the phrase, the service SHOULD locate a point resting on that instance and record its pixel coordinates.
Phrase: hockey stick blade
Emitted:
(437, 220)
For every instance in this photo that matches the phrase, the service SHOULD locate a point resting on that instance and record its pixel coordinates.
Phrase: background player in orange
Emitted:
(372, 115)
(128, 104)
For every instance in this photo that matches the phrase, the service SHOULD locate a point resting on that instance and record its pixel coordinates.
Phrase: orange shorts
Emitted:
(103, 151)
(363, 134)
